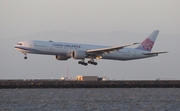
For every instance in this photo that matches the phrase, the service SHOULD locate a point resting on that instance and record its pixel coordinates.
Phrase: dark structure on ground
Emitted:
(89, 84)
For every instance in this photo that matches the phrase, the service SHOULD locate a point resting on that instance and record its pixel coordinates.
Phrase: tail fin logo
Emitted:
(147, 44)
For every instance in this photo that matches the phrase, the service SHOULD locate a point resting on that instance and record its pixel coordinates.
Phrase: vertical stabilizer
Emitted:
(148, 43)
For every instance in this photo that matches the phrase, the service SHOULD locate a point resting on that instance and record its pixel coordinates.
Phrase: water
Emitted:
(120, 99)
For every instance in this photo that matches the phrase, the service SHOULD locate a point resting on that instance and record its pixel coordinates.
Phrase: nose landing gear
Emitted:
(25, 56)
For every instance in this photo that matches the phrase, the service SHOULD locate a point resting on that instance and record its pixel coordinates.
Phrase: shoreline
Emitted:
(8, 84)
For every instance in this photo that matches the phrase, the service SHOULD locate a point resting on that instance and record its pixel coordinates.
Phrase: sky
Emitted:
(103, 22)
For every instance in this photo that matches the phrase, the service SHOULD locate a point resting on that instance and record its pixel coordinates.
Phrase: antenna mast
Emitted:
(67, 72)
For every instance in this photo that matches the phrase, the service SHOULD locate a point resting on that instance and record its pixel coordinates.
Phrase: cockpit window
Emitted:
(19, 43)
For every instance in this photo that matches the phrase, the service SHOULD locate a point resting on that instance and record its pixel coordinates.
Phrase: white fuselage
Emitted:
(65, 49)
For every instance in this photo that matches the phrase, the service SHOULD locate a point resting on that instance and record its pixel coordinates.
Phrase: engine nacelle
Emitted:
(58, 57)
(78, 54)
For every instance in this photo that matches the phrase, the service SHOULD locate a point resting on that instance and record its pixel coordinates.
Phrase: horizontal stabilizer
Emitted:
(154, 53)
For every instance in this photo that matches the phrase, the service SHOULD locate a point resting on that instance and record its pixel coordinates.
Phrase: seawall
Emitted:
(4, 84)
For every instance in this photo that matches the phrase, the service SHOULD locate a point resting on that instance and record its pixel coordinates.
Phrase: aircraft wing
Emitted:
(108, 49)
(154, 53)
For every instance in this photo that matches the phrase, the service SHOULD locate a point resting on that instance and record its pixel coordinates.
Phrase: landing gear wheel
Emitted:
(95, 63)
(92, 62)
(85, 64)
(80, 62)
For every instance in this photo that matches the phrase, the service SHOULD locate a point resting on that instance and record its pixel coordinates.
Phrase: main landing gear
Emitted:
(92, 62)
(89, 62)
(82, 63)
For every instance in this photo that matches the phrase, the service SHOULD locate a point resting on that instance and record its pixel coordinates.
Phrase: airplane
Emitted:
(65, 51)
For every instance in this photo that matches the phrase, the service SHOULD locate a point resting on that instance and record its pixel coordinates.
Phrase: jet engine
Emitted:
(78, 54)
(58, 57)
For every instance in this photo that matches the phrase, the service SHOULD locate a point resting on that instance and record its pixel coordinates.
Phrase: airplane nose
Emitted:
(16, 47)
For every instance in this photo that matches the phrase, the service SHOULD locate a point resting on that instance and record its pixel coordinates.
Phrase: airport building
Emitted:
(86, 78)
(90, 78)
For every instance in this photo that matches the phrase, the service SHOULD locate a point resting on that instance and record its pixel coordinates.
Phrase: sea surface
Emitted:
(98, 99)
